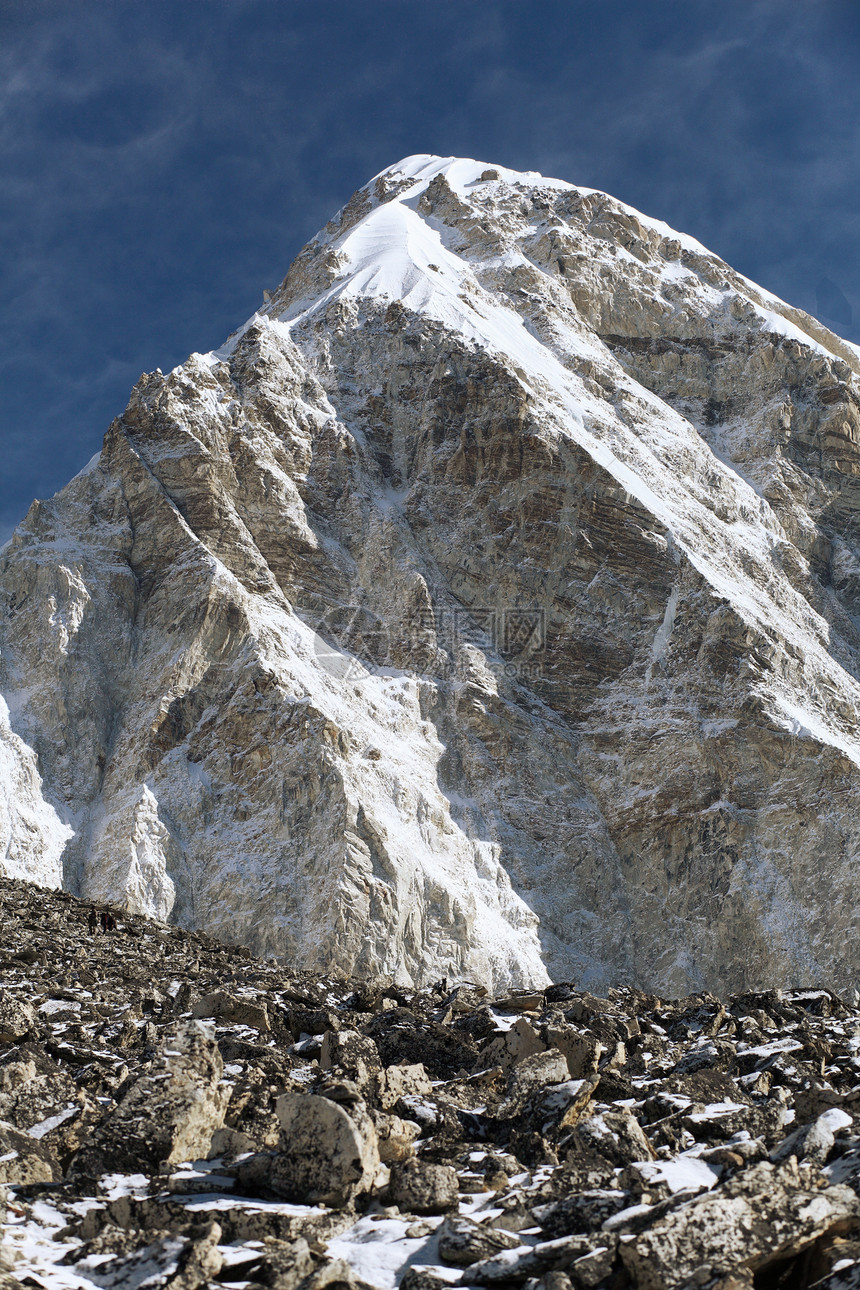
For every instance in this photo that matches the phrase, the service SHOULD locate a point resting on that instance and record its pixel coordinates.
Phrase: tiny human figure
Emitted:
(105, 926)
(111, 922)
(93, 922)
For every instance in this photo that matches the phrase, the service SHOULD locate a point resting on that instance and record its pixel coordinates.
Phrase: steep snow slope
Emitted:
(487, 605)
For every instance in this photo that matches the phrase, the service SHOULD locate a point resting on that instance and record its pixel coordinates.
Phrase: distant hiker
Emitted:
(93, 922)
(111, 922)
(105, 922)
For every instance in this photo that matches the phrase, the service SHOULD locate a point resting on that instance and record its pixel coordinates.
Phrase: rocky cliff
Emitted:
(486, 606)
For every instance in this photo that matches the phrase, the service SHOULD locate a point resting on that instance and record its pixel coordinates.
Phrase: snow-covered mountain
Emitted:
(486, 606)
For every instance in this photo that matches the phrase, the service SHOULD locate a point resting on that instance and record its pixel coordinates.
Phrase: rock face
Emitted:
(486, 606)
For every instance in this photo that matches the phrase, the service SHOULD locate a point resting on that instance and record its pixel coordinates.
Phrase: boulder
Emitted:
(39, 1099)
(762, 1216)
(616, 1135)
(17, 1017)
(352, 1053)
(422, 1279)
(25, 1160)
(168, 1115)
(568, 1102)
(327, 1152)
(419, 1187)
(536, 1072)
(395, 1082)
(589, 1270)
(519, 1042)
(581, 1051)
(285, 1265)
(231, 1011)
(813, 1141)
(585, 1212)
(463, 1241)
(523, 1040)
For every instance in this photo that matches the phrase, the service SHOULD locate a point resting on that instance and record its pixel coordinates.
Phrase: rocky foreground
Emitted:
(174, 1113)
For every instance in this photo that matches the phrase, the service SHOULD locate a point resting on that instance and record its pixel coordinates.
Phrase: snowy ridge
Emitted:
(32, 836)
(396, 255)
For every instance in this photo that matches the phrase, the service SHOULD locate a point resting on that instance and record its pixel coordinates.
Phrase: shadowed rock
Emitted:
(326, 1152)
(168, 1115)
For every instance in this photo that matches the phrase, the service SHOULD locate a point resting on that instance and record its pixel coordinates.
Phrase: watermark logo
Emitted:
(349, 641)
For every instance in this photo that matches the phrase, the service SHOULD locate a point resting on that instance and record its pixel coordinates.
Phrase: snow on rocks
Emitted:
(23, 1160)
(259, 1165)
(462, 1241)
(762, 1218)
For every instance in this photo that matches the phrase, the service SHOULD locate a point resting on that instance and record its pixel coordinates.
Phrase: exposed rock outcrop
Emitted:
(486, 607)
(168, 1115)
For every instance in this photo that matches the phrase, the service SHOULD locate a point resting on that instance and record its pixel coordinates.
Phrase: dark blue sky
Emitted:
(164, 160)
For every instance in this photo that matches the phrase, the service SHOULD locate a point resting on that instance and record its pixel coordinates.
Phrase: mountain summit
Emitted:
(486, 606)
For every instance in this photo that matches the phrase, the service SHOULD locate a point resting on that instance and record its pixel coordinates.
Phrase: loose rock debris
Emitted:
(176, 1114)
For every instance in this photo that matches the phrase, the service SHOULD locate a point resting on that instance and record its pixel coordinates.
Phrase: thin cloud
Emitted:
(247, 123)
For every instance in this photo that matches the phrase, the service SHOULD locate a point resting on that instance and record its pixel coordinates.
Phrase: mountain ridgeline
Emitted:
(486, 607)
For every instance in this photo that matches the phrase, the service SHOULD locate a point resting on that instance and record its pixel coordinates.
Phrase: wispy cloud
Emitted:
(745, 134)
(163, 163)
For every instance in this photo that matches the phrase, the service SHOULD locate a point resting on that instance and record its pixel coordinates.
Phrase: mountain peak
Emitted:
(486, 606)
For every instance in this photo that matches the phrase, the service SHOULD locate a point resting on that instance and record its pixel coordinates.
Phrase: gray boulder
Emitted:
(762, 1216)
(395, 1082)
(326, 1153)
(169, 1114)
(354, 1054)
(463, 1242)
(815, 1140)
(615, 1135)
(232, 1011)
(535, 1072)
(418, 1187)
(581, 1051)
